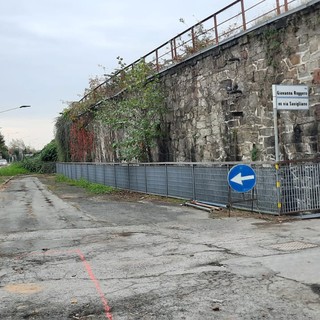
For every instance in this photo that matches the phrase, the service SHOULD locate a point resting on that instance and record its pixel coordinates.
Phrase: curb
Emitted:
(4, 183)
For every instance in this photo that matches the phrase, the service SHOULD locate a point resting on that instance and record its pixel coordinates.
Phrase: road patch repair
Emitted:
(33, 288)
(23, 288)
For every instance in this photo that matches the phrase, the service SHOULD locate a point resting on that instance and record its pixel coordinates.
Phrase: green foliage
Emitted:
(274, 44)
(35, 165)
(94, 188)
(62, 137)
(50, 152)
(130, 104)
(13, 170)
(3, 148)
(255, 153)
(136, 113)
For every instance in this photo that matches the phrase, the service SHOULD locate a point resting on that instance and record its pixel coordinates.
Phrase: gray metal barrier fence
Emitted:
(199, 181)
(285, 188)
(300, 186)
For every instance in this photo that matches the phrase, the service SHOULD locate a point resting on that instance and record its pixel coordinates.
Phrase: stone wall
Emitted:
(220, 101)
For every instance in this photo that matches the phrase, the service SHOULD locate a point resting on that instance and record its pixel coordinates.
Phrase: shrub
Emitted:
(49, 153)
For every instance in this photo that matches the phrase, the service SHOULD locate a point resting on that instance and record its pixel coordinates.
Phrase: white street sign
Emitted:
(290, 97)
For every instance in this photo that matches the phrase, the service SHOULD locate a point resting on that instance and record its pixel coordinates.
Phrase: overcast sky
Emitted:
(50, 49)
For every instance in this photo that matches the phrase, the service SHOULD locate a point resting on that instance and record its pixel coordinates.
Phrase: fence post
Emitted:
(278, 7)
(216, 28)
(173, 49)
(286, 8)
(193, 183)
(157, 60)
(145, 178)
(167, 182)
(115, 176)
(193, 36)
(278, 186)
(128, 172)
(244, 23)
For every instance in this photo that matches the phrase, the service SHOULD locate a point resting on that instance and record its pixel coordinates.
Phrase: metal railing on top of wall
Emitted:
(211, 31)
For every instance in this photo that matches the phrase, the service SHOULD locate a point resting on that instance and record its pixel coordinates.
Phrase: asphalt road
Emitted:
(65, 255)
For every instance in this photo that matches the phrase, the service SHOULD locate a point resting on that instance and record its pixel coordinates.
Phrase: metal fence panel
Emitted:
(84, 172)
(266, 191)
(137, 177)
(99, 174)
(122, 176)
(78, 172)
(299, 192)
(91, 172)
(110, 175)
(211, 184)
(180, 181)
(156, 179)
(300, 187)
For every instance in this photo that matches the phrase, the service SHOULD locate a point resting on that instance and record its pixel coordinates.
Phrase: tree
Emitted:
(49, 153)
(3, 148)
(17, 149)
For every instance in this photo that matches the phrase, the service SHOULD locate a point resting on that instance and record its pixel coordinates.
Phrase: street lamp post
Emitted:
(24, 106)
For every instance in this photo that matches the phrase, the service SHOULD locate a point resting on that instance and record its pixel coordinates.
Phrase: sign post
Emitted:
(287, 97)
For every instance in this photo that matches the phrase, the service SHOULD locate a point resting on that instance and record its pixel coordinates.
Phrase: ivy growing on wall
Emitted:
(136, 113)
(131, 105)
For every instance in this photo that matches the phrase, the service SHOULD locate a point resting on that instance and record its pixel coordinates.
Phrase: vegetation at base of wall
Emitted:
(43, 161)
(35, 165)
(13, 169)
(94, 188)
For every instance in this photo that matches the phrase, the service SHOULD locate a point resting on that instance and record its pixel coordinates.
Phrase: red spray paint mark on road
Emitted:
(96, 283)
(88, 268)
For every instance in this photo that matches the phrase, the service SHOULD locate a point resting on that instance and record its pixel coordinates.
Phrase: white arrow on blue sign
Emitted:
(242, 178)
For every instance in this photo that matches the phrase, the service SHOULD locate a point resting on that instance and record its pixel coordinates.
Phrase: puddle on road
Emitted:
(23, 288)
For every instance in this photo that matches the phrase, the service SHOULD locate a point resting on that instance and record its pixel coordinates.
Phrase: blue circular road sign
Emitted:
(242, 178)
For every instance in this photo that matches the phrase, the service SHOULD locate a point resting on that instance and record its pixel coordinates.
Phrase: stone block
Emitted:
(294, 59)
(303, 71)
(267, 132)
(316, 76)
(268, 142)
(314, 45)
(304, 38)
(305, 58)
